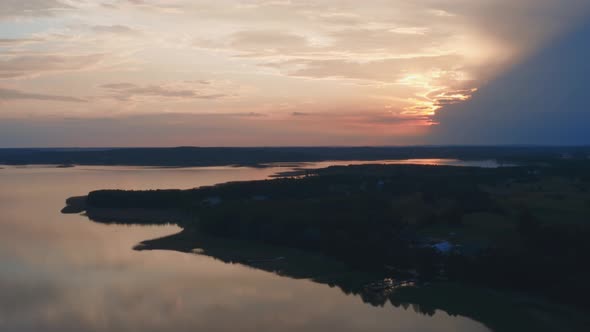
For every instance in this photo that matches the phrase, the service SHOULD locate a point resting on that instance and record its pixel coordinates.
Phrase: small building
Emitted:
(380, 184)
(260, 198)
(212, 201)
(444, 247)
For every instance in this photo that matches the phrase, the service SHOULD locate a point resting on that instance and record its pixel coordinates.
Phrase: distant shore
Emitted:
(261, 157)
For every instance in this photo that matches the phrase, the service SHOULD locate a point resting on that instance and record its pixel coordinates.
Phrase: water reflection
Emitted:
(62, 273)
(490, 163)
(457, 301)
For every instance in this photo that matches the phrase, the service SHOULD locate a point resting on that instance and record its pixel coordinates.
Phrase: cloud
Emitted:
(30, 8)
(392, 39)
(443, 97)
(341, 19)
(347, 42)
(212, 129)
(127, 91)
(543, 100)
(300, 114)
(167, 7)
(11, 42)
(512, 22)
(267, 41)
(34, 65)
(395, 119)
(364, 118)
(250, 114)
(10, 94)
(116, 30)
(386, 70)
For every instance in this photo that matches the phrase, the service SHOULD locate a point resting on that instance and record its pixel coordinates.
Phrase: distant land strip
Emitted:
(258, 157)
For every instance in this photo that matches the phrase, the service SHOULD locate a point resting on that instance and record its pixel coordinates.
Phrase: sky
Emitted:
(543, 100)
(286, 72)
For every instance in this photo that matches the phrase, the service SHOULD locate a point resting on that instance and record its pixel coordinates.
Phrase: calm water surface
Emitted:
(65, 273)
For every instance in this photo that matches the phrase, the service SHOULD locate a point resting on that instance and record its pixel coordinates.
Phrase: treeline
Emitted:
(345, 212)
(148, 199)
(197, 156)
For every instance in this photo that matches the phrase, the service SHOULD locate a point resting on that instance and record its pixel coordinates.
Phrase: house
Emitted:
(380, 184)
(443, 247)
(212, 201)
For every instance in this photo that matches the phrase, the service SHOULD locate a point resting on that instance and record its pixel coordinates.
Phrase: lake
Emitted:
(65, 273)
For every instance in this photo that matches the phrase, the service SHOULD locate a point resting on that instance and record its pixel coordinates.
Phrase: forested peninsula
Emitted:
(521, 228)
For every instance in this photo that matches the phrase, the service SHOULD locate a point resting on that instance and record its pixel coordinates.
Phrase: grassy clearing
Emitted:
(481, 229)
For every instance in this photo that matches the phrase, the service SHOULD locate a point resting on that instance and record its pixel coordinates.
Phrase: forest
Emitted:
(522, 228)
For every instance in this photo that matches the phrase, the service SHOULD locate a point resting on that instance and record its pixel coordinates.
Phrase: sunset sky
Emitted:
(264, 72)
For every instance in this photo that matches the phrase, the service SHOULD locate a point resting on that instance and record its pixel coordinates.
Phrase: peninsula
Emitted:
(520, 228)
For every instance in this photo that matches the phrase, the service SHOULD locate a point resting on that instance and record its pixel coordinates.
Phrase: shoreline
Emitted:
(444, 222)
(453, 298)
(260, 156)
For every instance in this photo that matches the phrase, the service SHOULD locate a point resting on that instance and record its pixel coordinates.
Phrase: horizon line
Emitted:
(303, 146)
